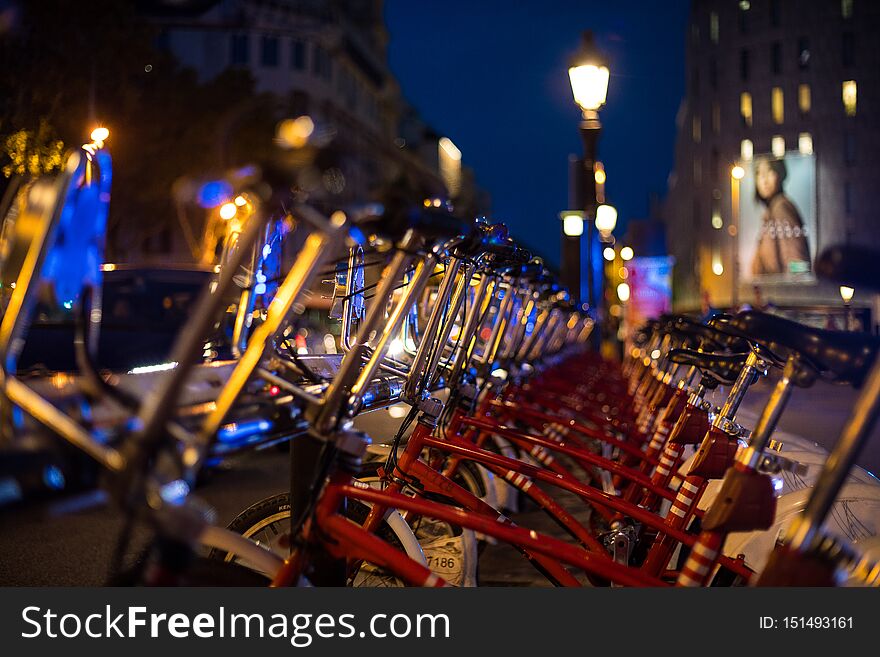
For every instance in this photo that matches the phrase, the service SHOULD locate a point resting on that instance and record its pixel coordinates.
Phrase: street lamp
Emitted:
(626, 253)
(588, 73)
(606, 220)
(846, 293)
(572, 223)
(737, 173)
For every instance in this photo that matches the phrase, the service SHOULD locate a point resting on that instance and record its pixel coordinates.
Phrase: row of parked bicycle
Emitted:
(507, 402)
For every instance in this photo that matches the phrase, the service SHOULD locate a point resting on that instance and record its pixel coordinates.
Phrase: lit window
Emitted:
(716, 118)
(805, 143)
(746, 149)
(697, 130)
(805, 98)
(846, 8)
(778, 105)
(849, 97)
(777, 146)
(713, 27)
(745, 107)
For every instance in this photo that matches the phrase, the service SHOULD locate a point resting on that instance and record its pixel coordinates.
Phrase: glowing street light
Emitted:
(100, 134)
(608, 254)
(738, 172)
(623, 292)
(606, 219)
(572, 223)
(588, 74)
(626, 253)
(227, 211)
(846, 293)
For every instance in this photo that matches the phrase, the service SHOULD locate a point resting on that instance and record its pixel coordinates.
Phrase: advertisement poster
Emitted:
(777, 219)
(650, 281)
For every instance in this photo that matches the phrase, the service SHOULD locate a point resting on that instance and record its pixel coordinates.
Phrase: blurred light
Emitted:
(450, 148)
(627, 253)
(600, 176)
(240, 201)
(499, 374)
(572, 225)
(717, 268)
(623, 292)
(746, 149)
(846, 293)
(606, 218)
(53, 477)
(174, 492)
(608, 254)
(159, 367)
(655, 354)
(395, 348)
(589, 84)
(777, 146)
(398, 411)
(850, 93)
(274, 390)
(227, 211)
(717, 222)
(329, 343)
(295, 133)
(108, 266)
(100, 134)
(623, 273)
(738, 172)
(214, 193)
(805, 143)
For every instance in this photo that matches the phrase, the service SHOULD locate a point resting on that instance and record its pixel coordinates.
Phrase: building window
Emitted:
(849, 49)
(716, 117)
(849, 97)
(847, 197)
(695, 81)
(745, 108)
(297, 55)
(746, 150)
(777, 103)
(695, 33)
(269, 52)
(805, 98)
(846, 8)
(774, 13)
(849, 148)
(743, 65)
(776, 58)
(777, 146)
(697, 129)
(805, 143)
(713, 27)
(713, 73)
(715, 164)
(239, 49)
(803, 53)
(322, 66)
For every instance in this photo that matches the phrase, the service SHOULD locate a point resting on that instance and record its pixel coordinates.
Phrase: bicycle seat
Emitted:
(726, 369)
(850, 265)
(433, 224)
(840, 356)
(714, 338)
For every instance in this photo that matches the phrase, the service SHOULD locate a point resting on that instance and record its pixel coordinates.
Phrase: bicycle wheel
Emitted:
(268, 524)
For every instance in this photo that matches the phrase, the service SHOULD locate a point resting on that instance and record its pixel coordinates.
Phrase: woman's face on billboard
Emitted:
(766, 180)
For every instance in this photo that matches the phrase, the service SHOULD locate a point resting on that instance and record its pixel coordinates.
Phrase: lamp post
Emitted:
(846, 293)
(588, 73)
(737, 173)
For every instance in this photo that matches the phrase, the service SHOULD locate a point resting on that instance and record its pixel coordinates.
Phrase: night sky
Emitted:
(492, 75)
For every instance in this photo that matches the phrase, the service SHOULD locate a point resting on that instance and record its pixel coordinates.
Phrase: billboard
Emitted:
(777, 219)
(650, 282)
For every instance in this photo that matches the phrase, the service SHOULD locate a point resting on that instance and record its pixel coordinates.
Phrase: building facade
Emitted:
(326, 59)
(799, 81)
